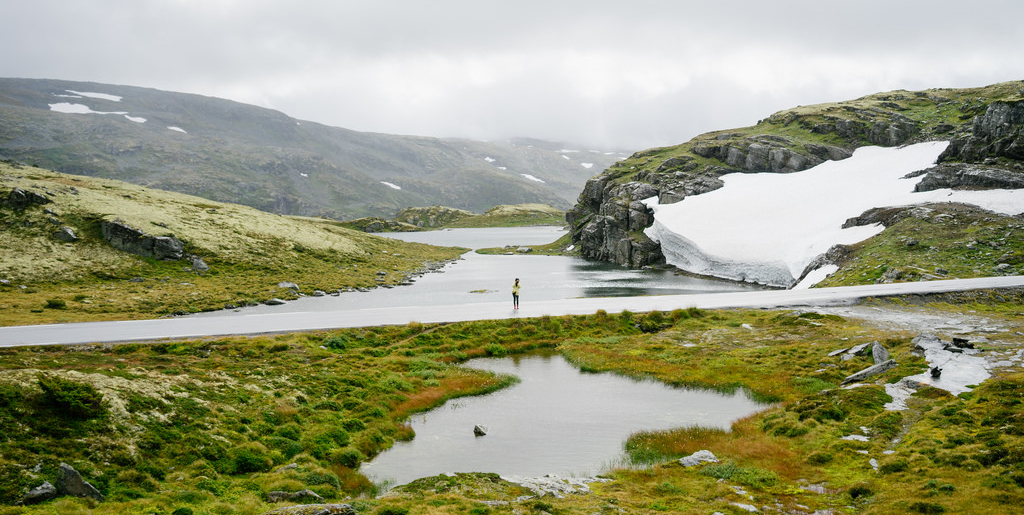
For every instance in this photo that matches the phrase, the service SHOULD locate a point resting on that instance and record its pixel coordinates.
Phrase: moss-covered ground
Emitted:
(248, 252)
(213, 425)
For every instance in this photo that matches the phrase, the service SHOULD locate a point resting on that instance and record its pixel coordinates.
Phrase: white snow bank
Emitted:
(532, 178)
(391, 185)
(587, 165)
(89, 94)
(767, 228)
(177, 129)
(136, 119)
(67, 107)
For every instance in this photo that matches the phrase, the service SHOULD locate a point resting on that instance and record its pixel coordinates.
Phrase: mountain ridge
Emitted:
(234, 152)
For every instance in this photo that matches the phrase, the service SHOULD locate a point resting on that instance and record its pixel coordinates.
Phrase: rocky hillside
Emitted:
(984, 126)
(79, 248)
(232, 152)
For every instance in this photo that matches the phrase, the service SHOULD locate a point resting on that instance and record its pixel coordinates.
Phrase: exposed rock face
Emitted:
(973, 176)
(995, 134)
(608, 220)
(128, 239)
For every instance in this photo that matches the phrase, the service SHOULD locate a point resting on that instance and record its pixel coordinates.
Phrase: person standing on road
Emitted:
(515, 294)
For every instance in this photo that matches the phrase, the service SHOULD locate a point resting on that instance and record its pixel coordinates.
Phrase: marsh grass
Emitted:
(208, 425)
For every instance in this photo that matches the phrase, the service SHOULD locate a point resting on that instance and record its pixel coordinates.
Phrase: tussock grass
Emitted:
(207, 425)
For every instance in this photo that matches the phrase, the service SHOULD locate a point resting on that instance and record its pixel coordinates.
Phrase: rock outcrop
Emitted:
(608, 220)
(20, 200)
(314, 509)
(123, 237)
(998, 133)
(986, 151)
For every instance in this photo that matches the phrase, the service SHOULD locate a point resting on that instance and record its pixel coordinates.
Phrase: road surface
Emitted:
(173, 328)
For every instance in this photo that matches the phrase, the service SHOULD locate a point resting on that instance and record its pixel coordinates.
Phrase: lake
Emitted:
(557, 420)
(488, 278)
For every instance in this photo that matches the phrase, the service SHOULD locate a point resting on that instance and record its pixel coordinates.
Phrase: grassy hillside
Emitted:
(248, 252)
(214, 426)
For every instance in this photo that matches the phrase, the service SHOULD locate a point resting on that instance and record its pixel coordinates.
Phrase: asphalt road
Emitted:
(174, 328)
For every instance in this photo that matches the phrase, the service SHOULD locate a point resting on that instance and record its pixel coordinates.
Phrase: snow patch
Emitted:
(391, 185)
(532, 178)
(587, 165)
(816, 276)
(767, 228)
(87, 94)
(489, 159)
(69, 108)
(565, 157)
(136, 119)
(178, 129)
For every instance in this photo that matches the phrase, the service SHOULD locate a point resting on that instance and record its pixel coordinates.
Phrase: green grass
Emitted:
(947, 241)
(205, 425)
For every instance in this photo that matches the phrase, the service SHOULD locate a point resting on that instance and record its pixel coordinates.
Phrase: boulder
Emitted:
(199, 265)
(66, 234)
(290, 285)
(878, 353)
(698, 458)
(479, 430)
(128, 239)
(41, 493)
(870, 371)
(274, 302)
(314, 509)
(70, 482)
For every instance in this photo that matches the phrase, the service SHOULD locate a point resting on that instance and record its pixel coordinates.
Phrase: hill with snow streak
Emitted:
(767, 228)
(727, 224)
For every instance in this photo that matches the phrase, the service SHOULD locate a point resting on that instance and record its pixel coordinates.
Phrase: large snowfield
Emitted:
(767, 228)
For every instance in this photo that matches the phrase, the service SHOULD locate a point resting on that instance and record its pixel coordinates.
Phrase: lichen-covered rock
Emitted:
(123, 237)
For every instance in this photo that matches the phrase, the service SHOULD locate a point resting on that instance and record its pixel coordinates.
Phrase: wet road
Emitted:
(141, 330)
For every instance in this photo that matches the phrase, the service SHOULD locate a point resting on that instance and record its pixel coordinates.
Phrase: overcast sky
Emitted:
(626, 74)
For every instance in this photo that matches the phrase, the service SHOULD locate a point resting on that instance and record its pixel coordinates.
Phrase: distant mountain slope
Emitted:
(228, 151)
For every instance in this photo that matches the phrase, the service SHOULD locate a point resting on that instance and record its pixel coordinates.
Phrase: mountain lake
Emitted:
(488, 278)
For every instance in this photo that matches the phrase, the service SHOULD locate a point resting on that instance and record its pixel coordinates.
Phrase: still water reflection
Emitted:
(557, 420)
(488, 278)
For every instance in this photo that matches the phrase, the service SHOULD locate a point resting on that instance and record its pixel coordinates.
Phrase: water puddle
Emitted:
(557, 420)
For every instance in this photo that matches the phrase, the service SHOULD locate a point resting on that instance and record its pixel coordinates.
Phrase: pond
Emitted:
(557, 420)
(488, 278)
